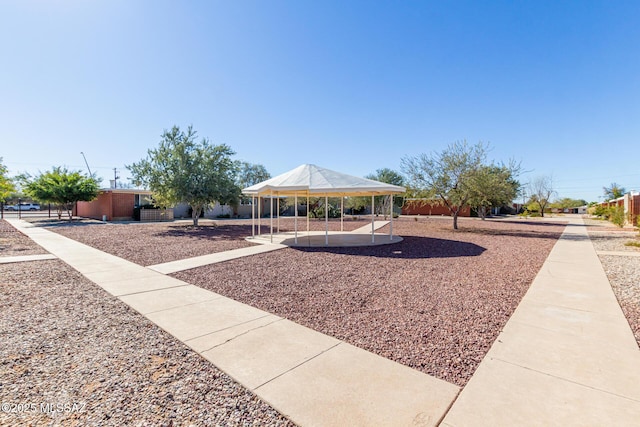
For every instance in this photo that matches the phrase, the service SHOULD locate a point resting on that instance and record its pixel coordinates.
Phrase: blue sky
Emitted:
(352, 86)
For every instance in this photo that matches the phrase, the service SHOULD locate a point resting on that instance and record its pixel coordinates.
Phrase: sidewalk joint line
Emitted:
(566, 380)
(178, 306)
(243, 333)
(229, 327)
(143, 292)
(297, 366)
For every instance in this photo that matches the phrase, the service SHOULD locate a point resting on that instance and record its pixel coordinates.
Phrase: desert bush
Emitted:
(598, 210)
(617, 216)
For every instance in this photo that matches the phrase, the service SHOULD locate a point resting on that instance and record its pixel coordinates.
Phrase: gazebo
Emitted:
(313, 181)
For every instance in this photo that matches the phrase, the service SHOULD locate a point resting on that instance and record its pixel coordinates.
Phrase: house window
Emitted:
(142, 200)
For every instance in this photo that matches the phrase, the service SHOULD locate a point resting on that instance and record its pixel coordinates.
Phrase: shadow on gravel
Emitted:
(513, 233)
(65, 223)
(411, 247)
(209, 231)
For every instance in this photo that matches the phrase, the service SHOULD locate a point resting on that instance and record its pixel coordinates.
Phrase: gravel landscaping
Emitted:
(14, 243)
(156, 243)
(623, 271)
(435, 302)
(67, 342)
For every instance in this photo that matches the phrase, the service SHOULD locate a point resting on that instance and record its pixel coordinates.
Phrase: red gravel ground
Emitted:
(435, 302)
(14, 243)
(156, 243)
(67, 342)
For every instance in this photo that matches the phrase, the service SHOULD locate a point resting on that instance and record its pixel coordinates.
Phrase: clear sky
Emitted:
(348, 85)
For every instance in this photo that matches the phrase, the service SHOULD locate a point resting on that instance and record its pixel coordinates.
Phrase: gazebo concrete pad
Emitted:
(337, 239)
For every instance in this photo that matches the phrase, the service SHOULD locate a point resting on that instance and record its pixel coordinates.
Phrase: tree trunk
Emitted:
(483, 212)
(195, 214)
(455, 220)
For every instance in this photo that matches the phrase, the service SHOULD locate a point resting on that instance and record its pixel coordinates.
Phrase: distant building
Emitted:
(429, 207)
(114, 204)
(631, 203)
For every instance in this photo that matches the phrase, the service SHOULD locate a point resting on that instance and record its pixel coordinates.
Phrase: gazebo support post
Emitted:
(295, 220)
(373, 208)
(271, 215)
(308, 213)
(391, 218)
(278, 215)
(253, 217)
(326, 220)
(341, 213)
(259, 214)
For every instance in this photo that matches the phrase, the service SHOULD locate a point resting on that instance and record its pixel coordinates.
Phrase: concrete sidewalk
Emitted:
(25, 258)
(566, 357)
(312, 378)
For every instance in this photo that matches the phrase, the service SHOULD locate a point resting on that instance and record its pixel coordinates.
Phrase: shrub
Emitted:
(319, 212)
(599, 210)
(617, 216)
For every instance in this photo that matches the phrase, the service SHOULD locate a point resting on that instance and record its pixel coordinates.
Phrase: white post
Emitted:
(341, 213)
(253, 217)
(259, 215)
(326, 220)
(373, 208)
(295, 220)
(271, 214)
(391, 218)
(278, 215)
(308, 214)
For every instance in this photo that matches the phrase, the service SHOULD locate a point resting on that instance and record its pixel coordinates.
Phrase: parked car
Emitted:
(23, 207)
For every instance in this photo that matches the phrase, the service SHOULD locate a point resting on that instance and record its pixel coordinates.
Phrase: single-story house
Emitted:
(113, 204)
(429, 207)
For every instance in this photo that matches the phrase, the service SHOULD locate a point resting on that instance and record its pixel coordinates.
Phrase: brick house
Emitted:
(631, 203)
(113, 203)
(427, 207)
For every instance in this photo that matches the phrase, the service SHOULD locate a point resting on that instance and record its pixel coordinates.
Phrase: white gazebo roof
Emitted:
(311, 179)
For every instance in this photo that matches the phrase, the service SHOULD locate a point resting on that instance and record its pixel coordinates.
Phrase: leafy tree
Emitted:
(388, 176)
(541, 190)
(61, 188)
(183, 170)
(493, 186)
(6, 184)
(613, 191)
(447, 175)
(250, 174)
(567, 203)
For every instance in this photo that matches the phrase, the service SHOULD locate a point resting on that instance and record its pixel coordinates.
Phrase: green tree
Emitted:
(183, 170)
(493, 186)
(541, 190)
(446, 175)
(568, 203)
(613, 191)
(250, 174)
(388, 176)
(61, 188)
(6, 184)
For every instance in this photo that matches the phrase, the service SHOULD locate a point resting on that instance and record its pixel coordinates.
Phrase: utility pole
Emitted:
(115, 178)
(85, 162)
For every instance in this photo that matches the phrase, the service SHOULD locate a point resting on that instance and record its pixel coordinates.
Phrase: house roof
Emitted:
(319, 181)
(125, 190)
